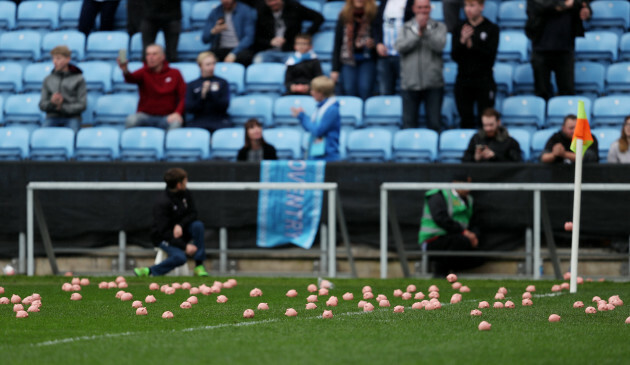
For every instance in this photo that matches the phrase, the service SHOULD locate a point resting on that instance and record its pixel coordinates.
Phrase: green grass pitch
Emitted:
(101, 329)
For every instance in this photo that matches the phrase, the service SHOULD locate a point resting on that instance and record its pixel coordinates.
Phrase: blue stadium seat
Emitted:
(7, 15)
(415, 145)
(610, 111)
(23, 109)
(350, 111)
(618, 78)
(14, 143)
(135, 45)
(52, 144)
(38, 15)
(330, 12)
(450, 74)
(523, 79)
(605, 137)
(190, 70)
(448, 47)
(87, 117)
(234, 74)
(313, 5)
(226, 143)
(449, 113)
(105, 45)
(287, 141)
(323, 44)
(189, 46)
(369, 145)
(112, 110)
(490, 11)
(75, 40)
(539, 140)
(559, 107)
(611, 15)
(20, 44)
(523, 137)
(187, 145)
(513, 47)
(383, 111)
(453, 144)
(503, 77)
(524, 112)
(265, 78)
(97, 144)
(34, 74)
(69, 14)
(512, 14)
(282, 109)
(624, 47)
(200, 12)
(120, 18)
(589, 78)
(10, 77)
(97, 75)
(437, 11)
(343, 142)
(186, 12)
(142, 144)
(597, 46)
(118, 80)
(245, 107)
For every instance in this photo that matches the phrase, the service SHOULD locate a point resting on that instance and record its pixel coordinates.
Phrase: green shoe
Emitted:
(142, 271)
(201, 271)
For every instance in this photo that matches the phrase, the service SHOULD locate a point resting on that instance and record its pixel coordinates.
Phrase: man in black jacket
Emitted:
(279, 21)
(492, 143)
(175, 224)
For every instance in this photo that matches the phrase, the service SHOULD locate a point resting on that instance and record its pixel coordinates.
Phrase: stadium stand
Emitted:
(200, 12)
(10, 77)
(539, 140)
(523, 137)
(589, 78)
(34, 75)
(105, 45)
(415, 145)
(97, 75)
(142, 144)
(383, 111)
(350, 111)
(135, 45)
(187, 145)
(597, 46)
(624, 47)
(523, 79)
(369, 145)
(245, 107)
(512, 15)
(97, 144)
(52, 144)
(450, 74)
(560, 106)
(190, 71)
(265, 78)
(618, 78)
(23, 109)
(118, 80)
(227, 142)
(69, 13)
(523, 112)
(330, 12)
(323, 43)
(453, 143)
(287, 141)
(610, 15)
(282, 109)
(20, 45)
(75, 40)
(234, 74)
(513, 47)
(605, 137)
(112, 110)
(610, 111)
(38, 15)
(189, 46)
(8, 10)
(503, 78)
(14, 143)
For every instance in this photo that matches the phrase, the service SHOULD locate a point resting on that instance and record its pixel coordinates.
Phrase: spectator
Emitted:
(64, 94)
(474, 50)
(162, 91)
(91, 8)
(302, 67)
(618, 152)
(134, 16)
(420, 45)
(558, 147)
(175, 224)
(325, 124)
(208, 97)
(230, 30)
(164, 15)
(389, 19)
(450, 10)
(354, 54)
(279, 21)
(552, 26)
(492, 143)
(255, 149)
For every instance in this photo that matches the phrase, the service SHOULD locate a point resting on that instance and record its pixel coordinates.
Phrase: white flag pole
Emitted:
(577, 201)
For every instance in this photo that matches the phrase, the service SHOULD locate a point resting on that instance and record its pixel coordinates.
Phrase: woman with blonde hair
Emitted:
(619, 152)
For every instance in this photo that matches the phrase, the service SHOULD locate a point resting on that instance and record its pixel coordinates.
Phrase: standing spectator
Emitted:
(389, 19)
(558, 147)
(619, 152)
(354, 54)
(91, 8)
(64, 94)
(164, 15)
(302, 67)
(420, 45)
(162, 91)
(492, 143)
(279, 21)
(450, 10)
(208, 97)
(474, 50)
(255, 149)
(230, 30)
(552, 26)
(134, 16)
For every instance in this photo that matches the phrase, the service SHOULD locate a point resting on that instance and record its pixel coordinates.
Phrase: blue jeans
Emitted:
(388, 69)
(272, 56)
(432, 98)
(177, 256)
(358, 80)
(73, 123)
(147, 120)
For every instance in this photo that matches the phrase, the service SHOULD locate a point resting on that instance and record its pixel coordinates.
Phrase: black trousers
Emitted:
(562, 64)
(467, 93)
(446, 264)
(90, 9)
(244, 57)
(171, 29)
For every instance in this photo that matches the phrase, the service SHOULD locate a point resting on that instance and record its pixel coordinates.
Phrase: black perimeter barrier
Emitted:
(92, 219)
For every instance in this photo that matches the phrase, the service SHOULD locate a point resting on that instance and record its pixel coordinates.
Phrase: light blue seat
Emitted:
(323, 44)
(350, 111)
(120, 18)
(524, 112)
(618, 78)
(369, 145)
(118, 80)
(265, 77)
(105, 45)
(142, 144)
(512, 47)
(243, 108)
(10, 77)
(187, 144)
(453, 143)
(449, 113)
(52, 144)
(38, 15)
(605, 137)
(624, 47)
(523, 79)
(97, 75)
(282, 115)
(2, 109)
(491, 11)
(287, 141)
(226, 143)
(383, 111)
(343, 142)
(186, 12)
(14, 143)
(610, 15)
(112, 110)
(200, 12)
(8, 11)
(20, 44)
(234, 74)
(597, 46)
(190, 70)
(559, 107)
(190, 45)
(135, 45)
(589, 78)
(69, 14)
(449, 71)
(97, 144)
(523, 137)
(539, 140)
(34, 75)
(330, 12)
(512, 14)
(448, 47)
(23, 109)
(503, 73)
(75, 40)
(415, 145)
(437, 11)
(313, 5)
(610, 111)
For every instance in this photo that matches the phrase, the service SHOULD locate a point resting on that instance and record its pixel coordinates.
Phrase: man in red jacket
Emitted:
(162, 92)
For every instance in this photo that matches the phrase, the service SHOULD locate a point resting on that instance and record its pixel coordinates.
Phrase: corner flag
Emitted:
(582, 130)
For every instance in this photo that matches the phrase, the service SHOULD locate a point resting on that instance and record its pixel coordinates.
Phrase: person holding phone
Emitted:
(492, 143)
(230, 31)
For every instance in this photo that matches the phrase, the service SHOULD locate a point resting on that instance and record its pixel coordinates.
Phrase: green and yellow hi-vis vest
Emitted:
(457, 209)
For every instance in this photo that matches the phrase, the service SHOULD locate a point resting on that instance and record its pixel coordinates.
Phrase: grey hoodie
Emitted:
(72, 87)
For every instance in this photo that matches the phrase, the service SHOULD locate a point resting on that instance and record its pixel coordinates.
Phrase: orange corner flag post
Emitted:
(582, 140)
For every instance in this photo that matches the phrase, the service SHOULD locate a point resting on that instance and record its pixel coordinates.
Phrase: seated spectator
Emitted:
(255, 149)
(492, 143)
(279, 21)
(208, 97)
(302, 67)
(325, 124)
(230, 30)
(354, 54)
(91, 8)
(162, 92)
(558, 148)
(64, 94)
(164, 15)
(618, 152)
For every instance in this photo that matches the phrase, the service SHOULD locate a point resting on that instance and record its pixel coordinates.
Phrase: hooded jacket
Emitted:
(161, 93)
(505, 148)
(71, 85)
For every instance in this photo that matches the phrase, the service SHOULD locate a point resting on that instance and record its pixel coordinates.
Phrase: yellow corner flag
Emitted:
(582, 130)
